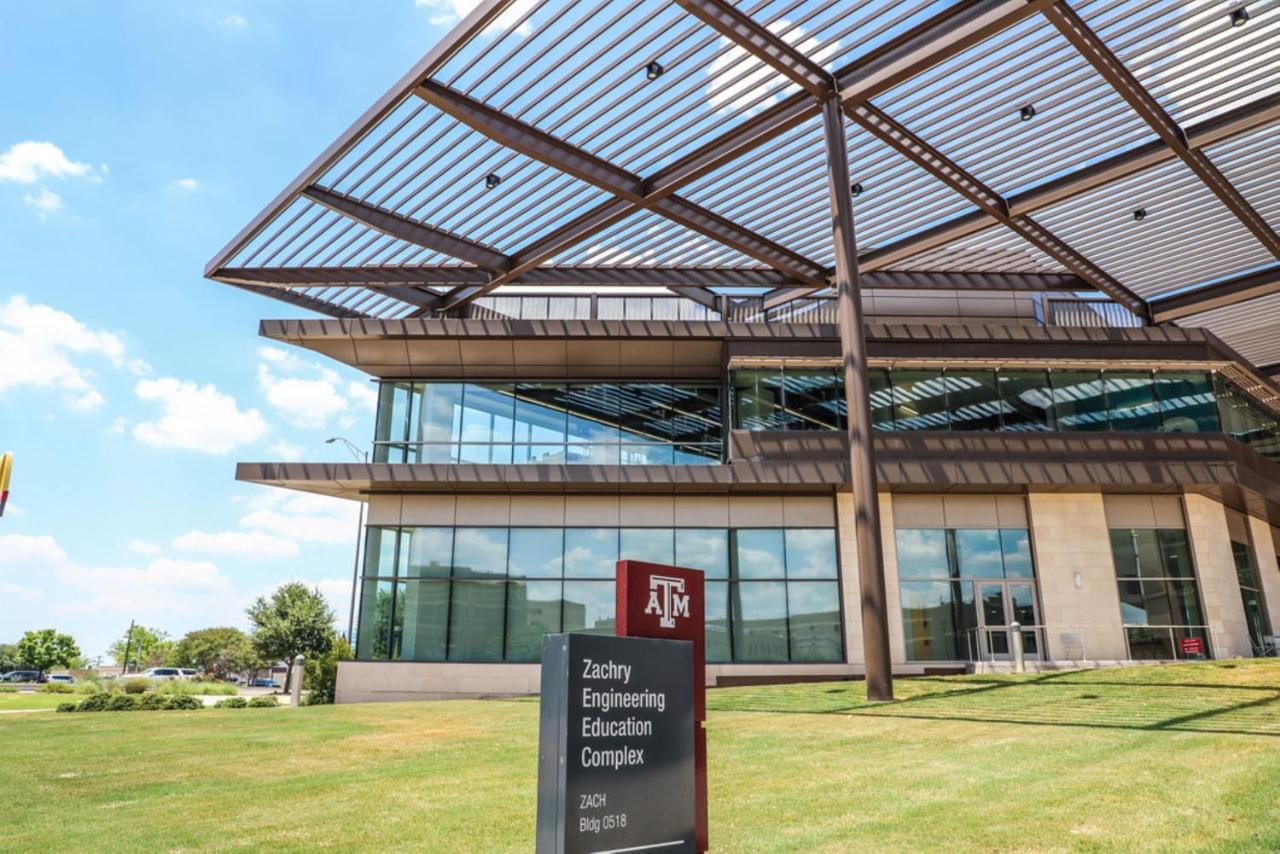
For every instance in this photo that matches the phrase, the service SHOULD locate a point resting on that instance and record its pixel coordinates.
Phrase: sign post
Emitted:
(616, 747)
(658, 601)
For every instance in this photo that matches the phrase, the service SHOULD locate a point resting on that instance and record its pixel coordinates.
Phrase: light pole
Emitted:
(362, 456)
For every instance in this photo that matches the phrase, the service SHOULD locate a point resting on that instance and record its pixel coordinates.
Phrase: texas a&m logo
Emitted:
(667, 599)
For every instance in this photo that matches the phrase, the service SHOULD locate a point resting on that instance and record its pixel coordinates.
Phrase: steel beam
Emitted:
(418, 233)
(301, 300)
(1127, 85)
(862, 470)
(1231, 292)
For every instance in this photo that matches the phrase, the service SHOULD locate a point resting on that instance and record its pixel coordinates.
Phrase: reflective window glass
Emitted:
(655, 545)
(881, 394)
(716, 594)
(922, 553)
(533, 610)
(380, 552)
(392, 425)
(814, 398)
(536, 553)
(813, 620)
(929, 621)
(978, 554)
(759, 553)
(973, 399)
(589, 607)
(1015, 545)
(1079, 400)
(1176, 551)
(422, 606)
(479, 552)
(1186, 402)
(1125, 553)
(487, 423)
(1131, 399)
(757, 400)
(1026, 400)
(476, 613)
(590, 552)
(759, 621)
(439, 418)
(706, 549)
(426, 552)
(376, 600)
(811, 552)
(540, 423)
(919, 400)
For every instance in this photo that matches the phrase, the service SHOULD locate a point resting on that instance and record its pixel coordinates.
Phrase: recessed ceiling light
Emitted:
(653, 70)
(492, 180)
(856, 188)
(1140, 214)
(1239, 17)
(1027, 113)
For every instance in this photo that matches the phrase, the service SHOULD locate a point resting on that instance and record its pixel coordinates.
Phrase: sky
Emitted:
(136, 138)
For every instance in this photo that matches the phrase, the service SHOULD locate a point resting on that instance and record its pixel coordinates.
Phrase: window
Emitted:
(491, 594)
(1255, 613)
(1159, 602)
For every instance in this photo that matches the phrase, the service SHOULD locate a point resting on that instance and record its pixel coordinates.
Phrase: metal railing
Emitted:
(550, 453)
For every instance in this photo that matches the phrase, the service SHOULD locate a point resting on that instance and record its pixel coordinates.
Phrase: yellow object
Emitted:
(6, 472)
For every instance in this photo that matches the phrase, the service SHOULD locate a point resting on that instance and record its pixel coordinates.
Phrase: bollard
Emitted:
(295, 684)
(1015, 635)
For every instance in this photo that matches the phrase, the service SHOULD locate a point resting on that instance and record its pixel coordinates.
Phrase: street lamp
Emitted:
(362, 456)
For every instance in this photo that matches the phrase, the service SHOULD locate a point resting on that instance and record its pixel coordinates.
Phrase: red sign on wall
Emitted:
(1192, 646)
(659, 601)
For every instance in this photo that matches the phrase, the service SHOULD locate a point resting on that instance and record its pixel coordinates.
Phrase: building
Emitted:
(615, 309)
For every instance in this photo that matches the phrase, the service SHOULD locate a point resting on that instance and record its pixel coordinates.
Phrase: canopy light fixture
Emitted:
(1027, 113)
(856, 188)
(1239, 17)
(1140, 214)
(492, 180)
(653, 70)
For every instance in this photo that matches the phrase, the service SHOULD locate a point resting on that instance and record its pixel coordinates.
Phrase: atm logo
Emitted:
(667, 599)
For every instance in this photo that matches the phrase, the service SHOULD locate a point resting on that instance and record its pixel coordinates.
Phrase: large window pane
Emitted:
(922, 553)
(479, 552)
(929, 621)
(881, 392)
(814, 398)
(1146, 644)
(717, 598)
(1131, 399)
(374, 641)
(426, 552)
(757, 400)
(594, 410)
(1079, 401)
(1176, 551)
(655, 545)
(590, 552)
(919, 400)
(540, 422)
(759, 553)
(380, 552)
(973, 400)
(1186, 402)
(759, 620)
(706, 549)
(423, 607)
(1246, 571)
(533, 610)
(1025, 400)
(476, 620)
(487, 423)
(1015, 544)
(813, 618)
(536, 553)
(439, 420)
(392, 423)
(978, 554)
(695, 423)
(1125, 553)
(589, 607)
(811, 552)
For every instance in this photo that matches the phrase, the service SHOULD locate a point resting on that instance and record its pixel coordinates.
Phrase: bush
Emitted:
(153, 702)
(8, 689)
(266, 701)
(232, 703)
(95, 702)
(184, 702)
(91, 686)
(122, 703)
(136, 686)
(56, 688)
(321, 673)
(183, 686)
(67, 707)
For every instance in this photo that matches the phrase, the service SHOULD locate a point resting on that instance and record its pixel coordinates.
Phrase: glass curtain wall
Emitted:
(490, 594)
(1159, 601)
(631, 423)
(957, 584)
(1255, 611)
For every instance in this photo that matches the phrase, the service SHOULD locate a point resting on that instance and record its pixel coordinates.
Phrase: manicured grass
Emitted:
(1184, 757)
(38, 700)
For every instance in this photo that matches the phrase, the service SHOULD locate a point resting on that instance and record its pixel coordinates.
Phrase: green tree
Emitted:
(43, 649)
(146, 648)
(9, 657)
(296, 620)
(321, 672)
(219, 652)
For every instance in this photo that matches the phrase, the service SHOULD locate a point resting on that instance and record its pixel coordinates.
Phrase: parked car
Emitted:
(64, 678)
(188, 673)
(265, 683)
(161, 674)
(21, 676)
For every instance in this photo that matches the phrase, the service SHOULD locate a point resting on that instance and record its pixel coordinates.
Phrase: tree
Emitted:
(9, 657)
(219, 652)
(43, 649)
(146, 648)
(321, 672)
(294, 621)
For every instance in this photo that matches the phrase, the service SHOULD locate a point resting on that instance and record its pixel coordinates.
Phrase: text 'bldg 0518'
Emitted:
(904, 322)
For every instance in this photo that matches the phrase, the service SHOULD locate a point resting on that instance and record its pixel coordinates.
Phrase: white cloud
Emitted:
(254, 545)
(448, 12)
(303, 517)
(37, 343)
(28, 162)
(196, 418)
(306, 394)
(234, 21)
(45, 201)
(143, 547)
(738, 76)
(187, 184)
(286, 451)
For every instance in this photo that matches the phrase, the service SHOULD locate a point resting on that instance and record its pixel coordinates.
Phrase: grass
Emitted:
(1183, 757)
(38, 700)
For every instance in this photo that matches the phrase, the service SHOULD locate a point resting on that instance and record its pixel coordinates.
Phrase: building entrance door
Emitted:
(1001, 603)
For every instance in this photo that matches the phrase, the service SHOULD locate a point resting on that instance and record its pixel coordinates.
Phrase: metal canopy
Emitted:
(1126, 146)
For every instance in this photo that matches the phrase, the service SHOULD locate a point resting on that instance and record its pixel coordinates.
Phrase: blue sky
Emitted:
(136, 138)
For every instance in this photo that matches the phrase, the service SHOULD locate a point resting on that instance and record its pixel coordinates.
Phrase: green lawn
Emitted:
(38, 700)
(1184, 757)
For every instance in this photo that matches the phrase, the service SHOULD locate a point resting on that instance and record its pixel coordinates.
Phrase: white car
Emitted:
(64, 678)
(165, 674)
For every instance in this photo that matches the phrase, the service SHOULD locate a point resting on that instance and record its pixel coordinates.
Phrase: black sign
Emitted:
(615, 764)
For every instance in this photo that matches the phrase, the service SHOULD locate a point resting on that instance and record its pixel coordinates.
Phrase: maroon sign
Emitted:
(659, 601)
(1192, 646)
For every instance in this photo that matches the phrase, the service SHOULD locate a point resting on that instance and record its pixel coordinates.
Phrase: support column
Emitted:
(853, 351)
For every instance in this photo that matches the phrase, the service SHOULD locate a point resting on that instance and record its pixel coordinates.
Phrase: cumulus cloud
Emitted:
(196, 418)
(446, 13)
(253, 545)
(309, 395)
(45, 201)
(286, 451)
(738, 76)
(187, 184)
(303, 517)
(28, 162)
(40, 347)
(143, 547)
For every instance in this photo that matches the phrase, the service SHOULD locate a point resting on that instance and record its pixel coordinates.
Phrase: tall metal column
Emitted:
(853, 351)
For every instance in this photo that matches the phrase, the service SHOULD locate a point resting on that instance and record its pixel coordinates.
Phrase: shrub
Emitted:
(95, 702)
(184, 702)
(8, 689)
(122, 703)
(232, 703)
(91, 686)
(56, 688)
(322, 673)
(183, 686)
(67, 707)
(266, 701)
(136, 686)
(153, 702)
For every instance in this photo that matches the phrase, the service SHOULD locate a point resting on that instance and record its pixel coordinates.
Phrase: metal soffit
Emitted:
(537, 136)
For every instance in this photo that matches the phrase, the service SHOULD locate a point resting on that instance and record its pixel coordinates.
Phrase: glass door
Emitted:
(1002, 603)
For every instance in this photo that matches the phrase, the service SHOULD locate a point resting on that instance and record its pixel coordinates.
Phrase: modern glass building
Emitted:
(599, 259)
